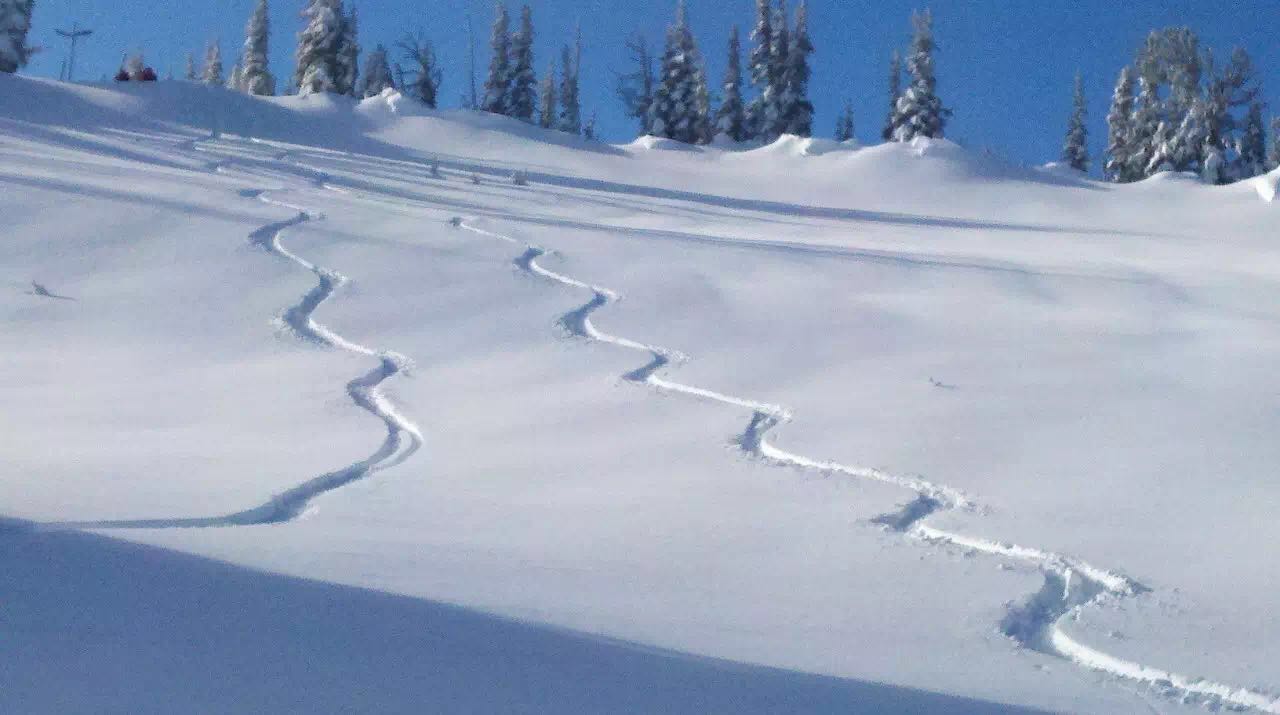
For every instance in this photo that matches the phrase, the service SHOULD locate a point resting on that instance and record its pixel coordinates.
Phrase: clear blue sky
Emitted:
(1005, 66)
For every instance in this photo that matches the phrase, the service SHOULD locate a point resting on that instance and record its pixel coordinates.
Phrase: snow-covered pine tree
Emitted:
(895, 91)
(570, 103)
(377, 74)
(255, 77)
(1145, 127)
(844, 123)
(1075, 147)
(731, 117)
(1120, 131)
(920, 112)
(796, 115)
(349, 54)
(497, 86)
(15, 23)
(135, 66)
(678, 98)
(524, 95)
(423, 82)
(773, 123)
(759, 65)
(318, 46)
(636, 88)
(1253, 144)
(233, 79)
(1273, 155)
(547, 98)
(191, 74)
(212, 74)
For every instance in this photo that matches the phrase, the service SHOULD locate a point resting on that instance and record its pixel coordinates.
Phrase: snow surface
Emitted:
(809, 427)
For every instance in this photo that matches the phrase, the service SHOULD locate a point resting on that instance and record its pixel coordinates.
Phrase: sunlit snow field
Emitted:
(1024, 453)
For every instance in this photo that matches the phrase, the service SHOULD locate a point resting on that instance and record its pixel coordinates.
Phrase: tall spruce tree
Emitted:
(677, 100)
(524, 95)
(497, 86)
(1120, 131)
(423, 81)
(349, 54)
(15, 24)
(795, 110)
(570, 102)
(760, 65)
(212, 74)
(1253, 144)
(547, 98)
(1146, 129)
(1273, 154)
(919, 111)
(895, 91)
(635, 89)
(731, 117)
(377, 74)
(1075, 147)
(844, 123)
(255, 77)
(773, 122)
(319, 43)
(235, 79)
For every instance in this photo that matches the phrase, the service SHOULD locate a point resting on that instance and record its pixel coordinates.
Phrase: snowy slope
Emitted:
(899, 415)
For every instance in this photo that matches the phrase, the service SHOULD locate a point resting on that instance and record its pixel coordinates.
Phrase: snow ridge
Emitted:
(1070, 585)
(403, 437)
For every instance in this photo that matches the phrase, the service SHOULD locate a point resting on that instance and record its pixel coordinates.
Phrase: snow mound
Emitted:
(652, 143)
(1062, 169)
(795, 146)
(1267, 185)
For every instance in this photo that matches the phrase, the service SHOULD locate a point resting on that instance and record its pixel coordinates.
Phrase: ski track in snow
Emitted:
(403, 437)
(1070, 585)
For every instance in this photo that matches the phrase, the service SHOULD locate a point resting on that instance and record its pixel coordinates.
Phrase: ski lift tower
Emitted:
(74, 34)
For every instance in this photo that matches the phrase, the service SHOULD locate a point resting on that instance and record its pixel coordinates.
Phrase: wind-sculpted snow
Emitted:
(1036, 623)
(403, 438)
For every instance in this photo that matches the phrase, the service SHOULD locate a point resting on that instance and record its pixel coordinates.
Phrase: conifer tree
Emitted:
(570, 104)
(773, 123)
(547, 98)
(796, 111)
(191, 74)
(636, 88)
(919, 111)
(678, 98)
(422, 82)
(1273, 155)
(844, 123)
(731, 118)
(349, 54)
(497, 86)
(1120, 130)
(319, 43)
(234, 79)
(15, 24)
(377, 74)
(1075, 148)
(255, 77)
(1253, 144)
(212, 74)
(524, 97)
(1146, 129)
(760, 65)
(895, 91)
